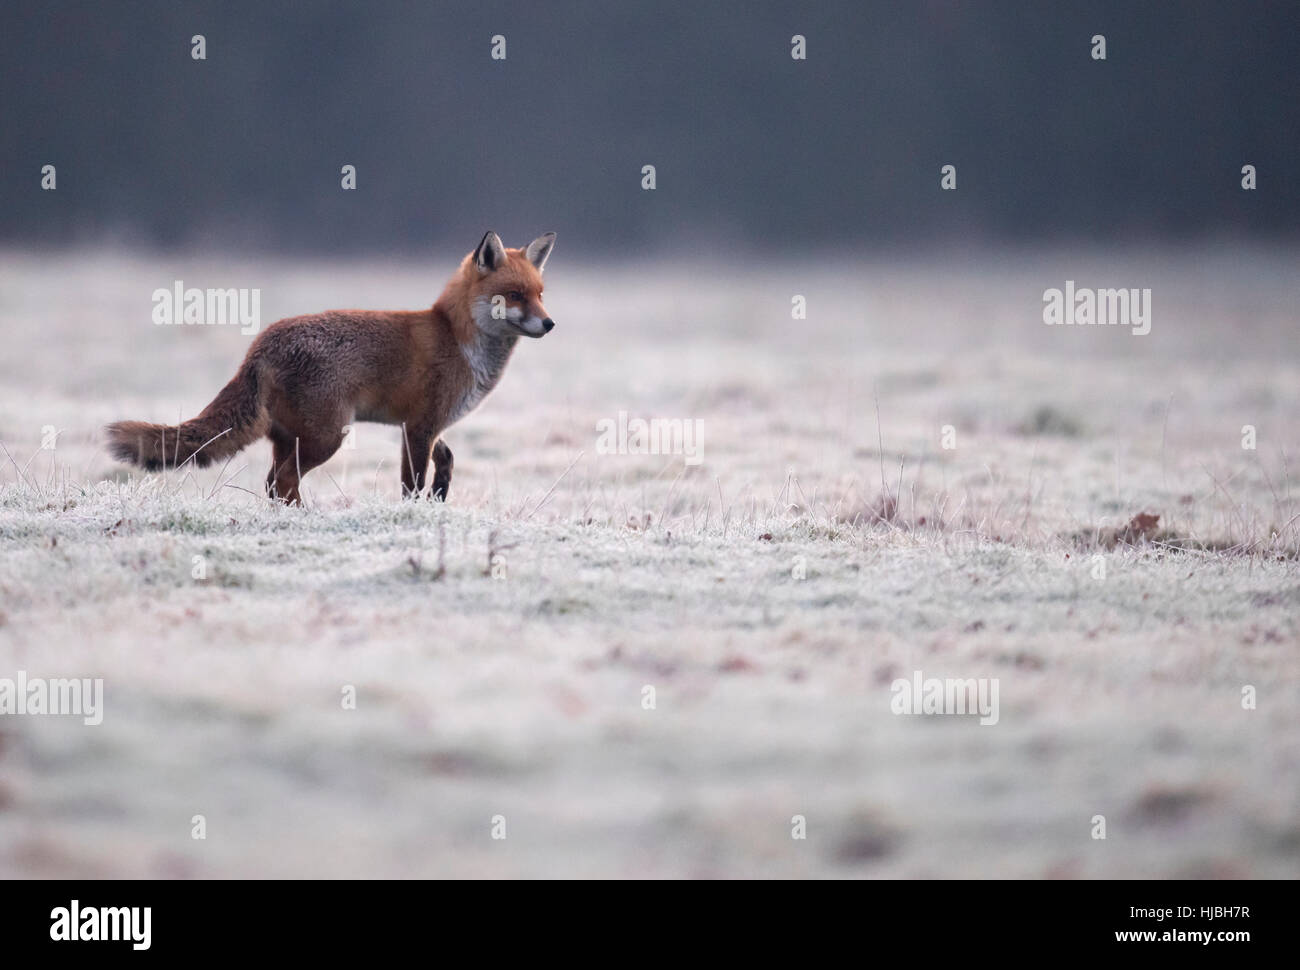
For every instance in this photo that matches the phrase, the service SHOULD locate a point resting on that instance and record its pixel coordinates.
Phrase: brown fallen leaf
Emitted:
(1143, 527)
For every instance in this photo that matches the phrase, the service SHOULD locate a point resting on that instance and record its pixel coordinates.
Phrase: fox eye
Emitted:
(515, 295)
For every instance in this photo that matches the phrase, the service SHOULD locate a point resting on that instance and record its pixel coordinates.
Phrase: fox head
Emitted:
(505, 287)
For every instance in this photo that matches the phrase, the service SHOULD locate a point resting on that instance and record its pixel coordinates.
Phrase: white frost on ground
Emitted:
(521, 695)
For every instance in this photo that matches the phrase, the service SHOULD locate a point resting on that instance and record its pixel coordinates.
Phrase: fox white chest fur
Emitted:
(487, 356)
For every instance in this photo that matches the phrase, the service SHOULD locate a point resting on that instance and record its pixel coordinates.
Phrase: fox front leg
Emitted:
(415, 460)
(442, 464)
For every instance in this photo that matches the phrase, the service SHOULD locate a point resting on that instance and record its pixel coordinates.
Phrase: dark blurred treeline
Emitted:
(751, 148)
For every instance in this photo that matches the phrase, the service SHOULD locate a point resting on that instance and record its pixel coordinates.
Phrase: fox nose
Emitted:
(548, 324)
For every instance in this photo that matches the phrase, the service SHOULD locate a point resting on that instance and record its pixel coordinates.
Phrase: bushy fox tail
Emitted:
(235, 419)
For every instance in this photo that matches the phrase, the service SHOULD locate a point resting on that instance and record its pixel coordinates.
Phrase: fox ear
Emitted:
(539, 250)
(490, 254)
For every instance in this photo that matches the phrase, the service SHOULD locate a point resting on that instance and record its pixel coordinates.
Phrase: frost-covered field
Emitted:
(769, 595)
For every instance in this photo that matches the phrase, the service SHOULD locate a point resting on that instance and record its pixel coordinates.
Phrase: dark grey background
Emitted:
(752, 148)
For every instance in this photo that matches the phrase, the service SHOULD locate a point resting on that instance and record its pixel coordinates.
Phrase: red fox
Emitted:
(305, 379)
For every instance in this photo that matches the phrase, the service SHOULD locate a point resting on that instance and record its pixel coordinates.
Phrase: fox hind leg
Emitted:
(282, 479)
(293, 457)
